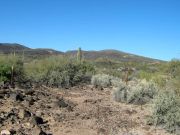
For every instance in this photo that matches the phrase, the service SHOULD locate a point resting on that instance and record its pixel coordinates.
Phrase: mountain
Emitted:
(113, 55)
(10, 48)
(7, 48)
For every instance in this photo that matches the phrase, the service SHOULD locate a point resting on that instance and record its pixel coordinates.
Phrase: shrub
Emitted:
(136, 92)
(115, 82)
(58, 79)
(101, 80)
(142, 93)
(59, 71)
(6, 64)
(120, 93)
(166, 111)
(104, 81)
(5, 72)
(174, 68)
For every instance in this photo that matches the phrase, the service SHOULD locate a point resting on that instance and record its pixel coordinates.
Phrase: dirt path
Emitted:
(96, 113)
(83, 111)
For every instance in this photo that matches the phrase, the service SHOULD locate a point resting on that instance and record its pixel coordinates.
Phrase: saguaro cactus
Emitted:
(79, 55)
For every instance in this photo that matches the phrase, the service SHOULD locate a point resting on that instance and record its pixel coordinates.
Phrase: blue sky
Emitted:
(146, 27)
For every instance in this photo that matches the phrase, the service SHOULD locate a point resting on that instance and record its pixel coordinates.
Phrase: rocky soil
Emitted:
(81, 110)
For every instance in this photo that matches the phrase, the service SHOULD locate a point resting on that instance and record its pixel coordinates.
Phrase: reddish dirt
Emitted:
(89, 111)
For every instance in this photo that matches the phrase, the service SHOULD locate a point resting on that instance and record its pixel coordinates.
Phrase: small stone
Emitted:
(27, 125)
(36, 131)
(23, 114)
(5, 132)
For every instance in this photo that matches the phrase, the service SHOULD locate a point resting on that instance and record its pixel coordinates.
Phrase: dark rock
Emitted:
(6, 85)
(17, 97)
(2, 96)
(13, 132)
(42, 133)
(37, 120)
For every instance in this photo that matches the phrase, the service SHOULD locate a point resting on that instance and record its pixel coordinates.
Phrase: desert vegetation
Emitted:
(155, 85)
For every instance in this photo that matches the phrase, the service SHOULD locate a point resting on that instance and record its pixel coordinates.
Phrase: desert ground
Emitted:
(80, 110)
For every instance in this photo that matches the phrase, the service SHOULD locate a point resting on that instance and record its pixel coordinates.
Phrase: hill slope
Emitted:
(10, 48)
(6, 48)
(113, 55)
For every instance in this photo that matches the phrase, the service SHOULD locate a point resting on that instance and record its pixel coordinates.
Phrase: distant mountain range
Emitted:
(7, 48)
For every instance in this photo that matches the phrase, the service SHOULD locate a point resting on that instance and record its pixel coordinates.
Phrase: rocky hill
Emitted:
(6, 48)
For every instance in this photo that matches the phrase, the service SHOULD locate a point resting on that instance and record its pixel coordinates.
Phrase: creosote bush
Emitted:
(166, 111)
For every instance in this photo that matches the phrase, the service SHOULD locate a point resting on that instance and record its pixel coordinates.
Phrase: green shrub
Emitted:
(58, 79)
(166, 111)
(174, 68)
(59, 71)
(6, 64)
(5, 72)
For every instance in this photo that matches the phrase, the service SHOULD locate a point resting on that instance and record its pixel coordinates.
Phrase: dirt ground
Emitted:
(81, 110)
